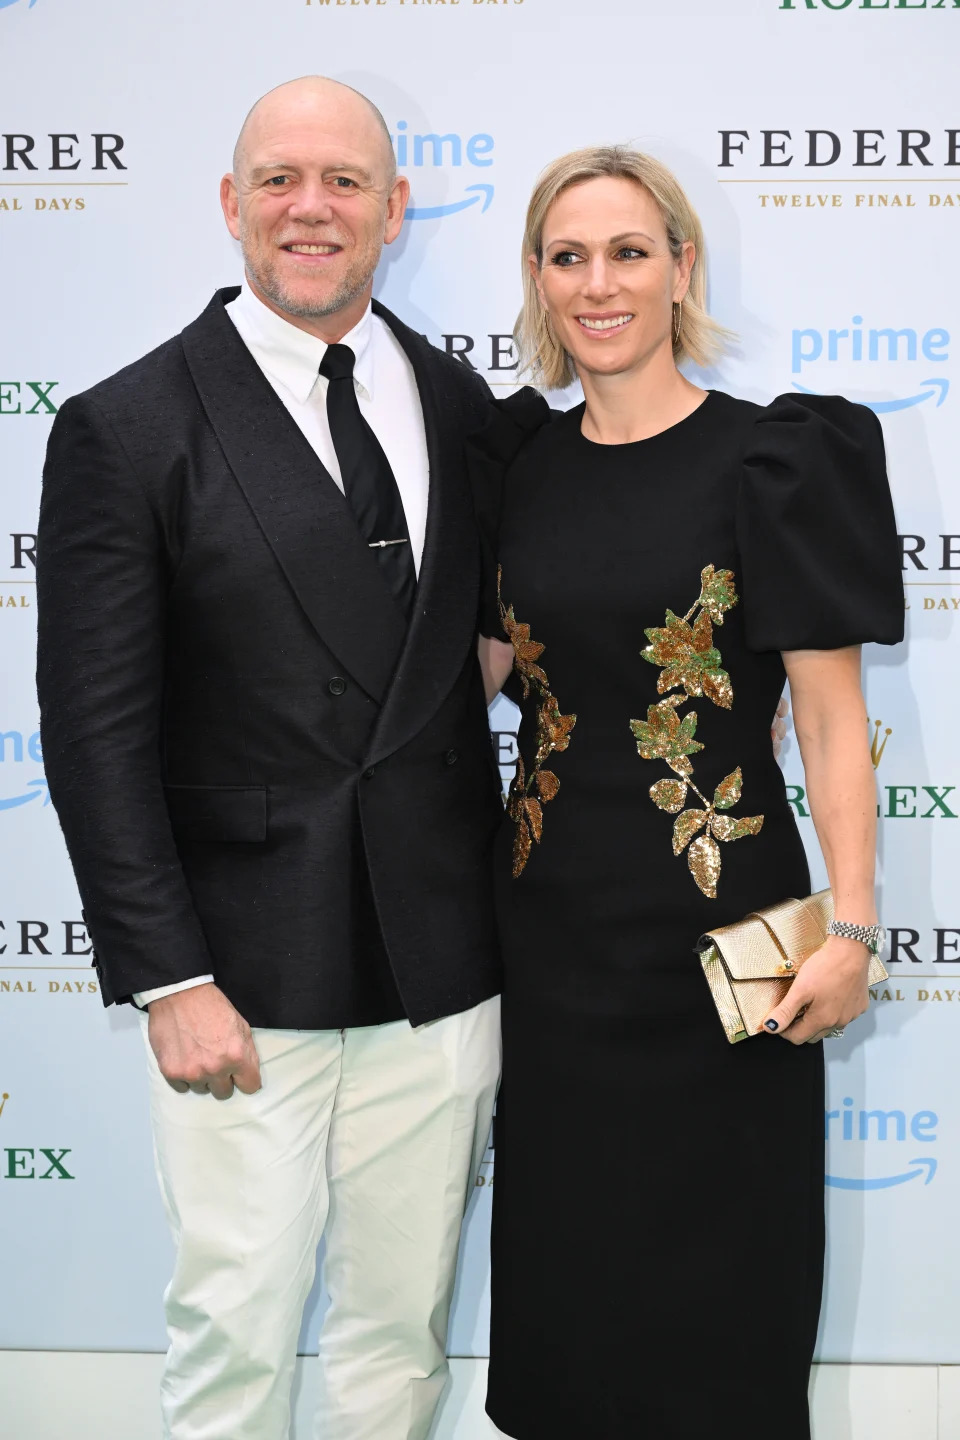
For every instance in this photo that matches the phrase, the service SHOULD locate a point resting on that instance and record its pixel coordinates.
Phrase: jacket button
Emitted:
(369, 773)
(451, 757)
(337, 685)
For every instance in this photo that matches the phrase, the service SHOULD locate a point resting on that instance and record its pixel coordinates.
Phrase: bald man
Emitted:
(265, 736)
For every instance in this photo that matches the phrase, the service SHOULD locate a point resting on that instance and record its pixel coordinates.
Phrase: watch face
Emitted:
(880, 944)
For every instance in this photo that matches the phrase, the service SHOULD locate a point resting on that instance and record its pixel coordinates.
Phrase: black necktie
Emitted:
(368, 481)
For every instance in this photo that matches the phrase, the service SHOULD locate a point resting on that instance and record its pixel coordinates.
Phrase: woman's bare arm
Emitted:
(830, 721)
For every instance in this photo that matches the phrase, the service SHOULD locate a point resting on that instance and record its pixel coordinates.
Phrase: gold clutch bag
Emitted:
(750, 965)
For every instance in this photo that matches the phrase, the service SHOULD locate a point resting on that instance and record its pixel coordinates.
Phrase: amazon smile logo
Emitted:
(425, 155)
(18, 749)
(853, 1136)
(5, 4)
(853, 345)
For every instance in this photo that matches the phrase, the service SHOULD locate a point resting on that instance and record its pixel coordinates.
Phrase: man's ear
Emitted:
(230, 205)
(397, 202)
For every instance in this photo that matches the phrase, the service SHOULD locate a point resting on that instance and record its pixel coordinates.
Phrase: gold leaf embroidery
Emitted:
(547, 785)
(683, 648)
(717, 592)
(686, 826)
(703, 857)
(553, 734)
(727, 792)
(669, 795)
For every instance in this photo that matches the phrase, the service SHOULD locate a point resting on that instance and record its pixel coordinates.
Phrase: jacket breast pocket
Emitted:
(218, 812)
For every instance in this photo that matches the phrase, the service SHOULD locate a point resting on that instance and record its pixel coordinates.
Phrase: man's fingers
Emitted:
(180, 1086)
(247, 1076)
(220, 1086)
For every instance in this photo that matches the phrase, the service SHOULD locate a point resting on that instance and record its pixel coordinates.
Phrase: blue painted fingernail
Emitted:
(771, 1024)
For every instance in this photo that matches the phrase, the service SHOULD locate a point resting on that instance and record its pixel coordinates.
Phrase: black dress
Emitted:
(658, 1205)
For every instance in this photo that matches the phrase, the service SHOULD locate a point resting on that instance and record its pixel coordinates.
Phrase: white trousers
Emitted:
(372, 1137)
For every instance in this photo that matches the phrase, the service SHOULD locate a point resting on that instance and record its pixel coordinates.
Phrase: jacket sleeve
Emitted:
(101, 597)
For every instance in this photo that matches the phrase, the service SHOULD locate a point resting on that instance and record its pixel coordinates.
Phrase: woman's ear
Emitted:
(684, 269)
(533, 265)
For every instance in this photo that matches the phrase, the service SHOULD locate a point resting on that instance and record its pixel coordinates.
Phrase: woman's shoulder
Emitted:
(801, 423)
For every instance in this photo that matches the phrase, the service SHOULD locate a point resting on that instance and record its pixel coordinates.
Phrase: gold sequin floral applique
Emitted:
(529, 793)
(688, 660)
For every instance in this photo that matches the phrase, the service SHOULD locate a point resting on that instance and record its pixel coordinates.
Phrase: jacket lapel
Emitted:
(297, 504)
(443, 627)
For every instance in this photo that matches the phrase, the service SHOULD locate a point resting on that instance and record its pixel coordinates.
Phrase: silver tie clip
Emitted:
(379, 544)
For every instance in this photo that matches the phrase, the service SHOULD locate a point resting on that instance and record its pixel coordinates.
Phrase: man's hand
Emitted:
(203, 1044)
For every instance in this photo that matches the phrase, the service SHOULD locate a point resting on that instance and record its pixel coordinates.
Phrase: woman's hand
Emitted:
(778, 729)
(829, 992)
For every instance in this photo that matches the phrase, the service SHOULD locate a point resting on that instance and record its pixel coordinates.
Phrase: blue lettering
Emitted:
(801, 355)
(479, 145)
(934, 345)
(33, 748)
(437, 150)
(16, 740)
(883, 1118)
(893, 338)
(924, 1121)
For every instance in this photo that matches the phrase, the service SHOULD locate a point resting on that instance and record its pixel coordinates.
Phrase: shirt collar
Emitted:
(292, 356)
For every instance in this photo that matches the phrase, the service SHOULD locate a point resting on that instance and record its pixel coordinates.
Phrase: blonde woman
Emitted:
(667, 557)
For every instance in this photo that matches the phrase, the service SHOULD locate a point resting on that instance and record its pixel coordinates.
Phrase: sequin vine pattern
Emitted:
(689, 660)
(529, 793)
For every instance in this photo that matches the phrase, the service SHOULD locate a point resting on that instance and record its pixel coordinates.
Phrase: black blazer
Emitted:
(260, 771)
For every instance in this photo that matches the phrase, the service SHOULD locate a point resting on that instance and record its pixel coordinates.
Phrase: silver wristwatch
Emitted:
(873, 936)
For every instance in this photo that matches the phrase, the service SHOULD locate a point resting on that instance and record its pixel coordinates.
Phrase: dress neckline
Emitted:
(579, 410)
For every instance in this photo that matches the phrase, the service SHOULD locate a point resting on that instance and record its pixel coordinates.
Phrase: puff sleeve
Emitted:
(490, 453)
(819, 553)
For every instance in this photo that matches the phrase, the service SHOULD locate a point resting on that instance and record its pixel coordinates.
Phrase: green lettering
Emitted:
(15, 1164)
(896, 800)
(795, 796)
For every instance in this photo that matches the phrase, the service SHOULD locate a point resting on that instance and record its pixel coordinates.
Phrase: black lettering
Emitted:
(17, 152)
(906, 946)
(500, 352)
(76, 941)
(460, 352)
(942, 942)
(769, 148)
(109, 152)
(813, 156)
(60, 150)
(33, 932)
(23, 551)
(950, 552)
(912, 552)
(728, 148)
(863, 147)
(915, 147)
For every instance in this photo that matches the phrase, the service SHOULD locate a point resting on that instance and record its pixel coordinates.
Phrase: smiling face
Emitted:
(313, 199)
(607, 277)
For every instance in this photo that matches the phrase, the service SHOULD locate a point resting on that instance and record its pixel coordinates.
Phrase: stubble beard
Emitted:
(303, 306)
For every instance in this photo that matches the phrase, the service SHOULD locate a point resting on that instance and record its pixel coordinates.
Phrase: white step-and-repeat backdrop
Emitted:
(820, 141)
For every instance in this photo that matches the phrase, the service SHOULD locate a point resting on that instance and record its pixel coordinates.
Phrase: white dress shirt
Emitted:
(389, 401)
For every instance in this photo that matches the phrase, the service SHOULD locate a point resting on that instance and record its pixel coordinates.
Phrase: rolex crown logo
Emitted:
(877, 746)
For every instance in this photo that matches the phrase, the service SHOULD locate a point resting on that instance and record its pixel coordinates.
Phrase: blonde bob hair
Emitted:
(700, 338)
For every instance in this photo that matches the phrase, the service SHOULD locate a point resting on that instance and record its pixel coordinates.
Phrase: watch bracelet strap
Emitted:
(866, 934)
